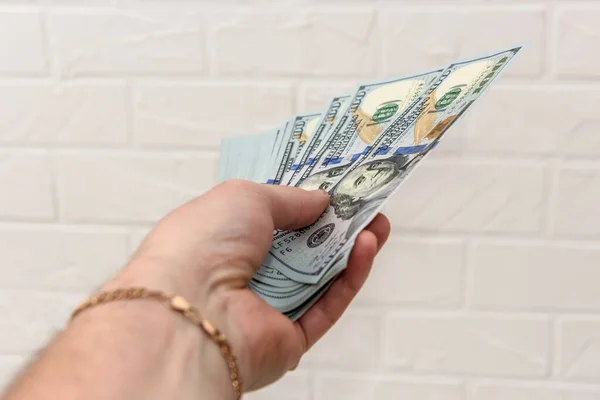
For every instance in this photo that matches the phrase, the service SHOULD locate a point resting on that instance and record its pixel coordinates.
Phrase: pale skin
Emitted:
(206, 251)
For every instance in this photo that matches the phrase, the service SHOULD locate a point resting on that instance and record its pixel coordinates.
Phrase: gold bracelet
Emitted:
(180, 305)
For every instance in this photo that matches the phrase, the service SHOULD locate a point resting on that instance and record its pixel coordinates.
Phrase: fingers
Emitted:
(292, 207)
(380, 226)
(321, 317)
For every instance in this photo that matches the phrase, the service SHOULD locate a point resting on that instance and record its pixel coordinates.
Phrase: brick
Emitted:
(579, 349)
(73, 260)
(31, 319)
(10, 366)
(459, 33)
(71, 114)
(502, 392)
(201, 115)
(577, 33)
(469, 344)
(576, 210)
(149, 41)
(350, 387)
(415, 272)
(295, 385)
(316, 97)
(540, 276)
(536, 120)
(298, 42)
(471, 197)
(123, 188)
(21, 43)
(357, 351)
(26, 187)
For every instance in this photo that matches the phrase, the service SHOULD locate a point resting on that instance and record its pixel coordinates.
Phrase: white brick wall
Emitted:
(190, 114)
(45, 114)
(137, 42)
(111, 113)
(27, 55)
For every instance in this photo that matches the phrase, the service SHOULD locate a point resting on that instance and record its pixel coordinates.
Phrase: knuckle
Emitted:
(235, 185)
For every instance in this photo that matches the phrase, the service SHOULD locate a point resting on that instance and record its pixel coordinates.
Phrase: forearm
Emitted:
(133, 349)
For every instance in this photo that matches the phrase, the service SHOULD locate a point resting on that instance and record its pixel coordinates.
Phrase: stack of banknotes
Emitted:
(359, 149)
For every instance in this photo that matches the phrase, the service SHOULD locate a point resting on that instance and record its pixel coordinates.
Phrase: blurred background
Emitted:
(111, 114)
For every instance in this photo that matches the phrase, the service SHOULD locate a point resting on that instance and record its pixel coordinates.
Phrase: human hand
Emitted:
(208, 250)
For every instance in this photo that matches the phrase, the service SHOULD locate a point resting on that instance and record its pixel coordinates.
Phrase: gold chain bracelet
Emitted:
(180, 305)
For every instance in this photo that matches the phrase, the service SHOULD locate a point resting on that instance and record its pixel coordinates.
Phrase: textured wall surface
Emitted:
(111, 113)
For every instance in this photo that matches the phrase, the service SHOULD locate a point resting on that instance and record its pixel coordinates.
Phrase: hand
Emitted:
(208, 249)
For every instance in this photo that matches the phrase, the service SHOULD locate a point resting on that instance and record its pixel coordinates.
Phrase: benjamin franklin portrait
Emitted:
(363, 190)
(365, 184)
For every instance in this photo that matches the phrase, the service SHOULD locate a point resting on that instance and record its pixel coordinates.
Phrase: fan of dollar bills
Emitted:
(359, 149)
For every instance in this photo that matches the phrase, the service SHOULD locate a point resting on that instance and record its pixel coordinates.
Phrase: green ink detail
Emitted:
(384, 112)
(447, 98)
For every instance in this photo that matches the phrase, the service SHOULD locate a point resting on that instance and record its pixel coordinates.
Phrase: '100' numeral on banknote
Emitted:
(358, 192)
(359, 149)
(372, 108)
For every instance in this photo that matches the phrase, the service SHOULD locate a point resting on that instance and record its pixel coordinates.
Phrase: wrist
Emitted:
(150, 339)
(213, 298)
(213, 304)
(213, 372)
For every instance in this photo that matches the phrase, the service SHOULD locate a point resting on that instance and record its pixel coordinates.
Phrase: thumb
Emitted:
(292, 207)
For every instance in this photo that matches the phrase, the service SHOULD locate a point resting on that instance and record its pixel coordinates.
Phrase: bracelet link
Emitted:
(180, 304)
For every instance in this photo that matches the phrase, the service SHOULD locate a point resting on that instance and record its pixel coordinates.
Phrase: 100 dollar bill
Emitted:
(360, 190)
(336, 106)
(303, 127)
(372, 108)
